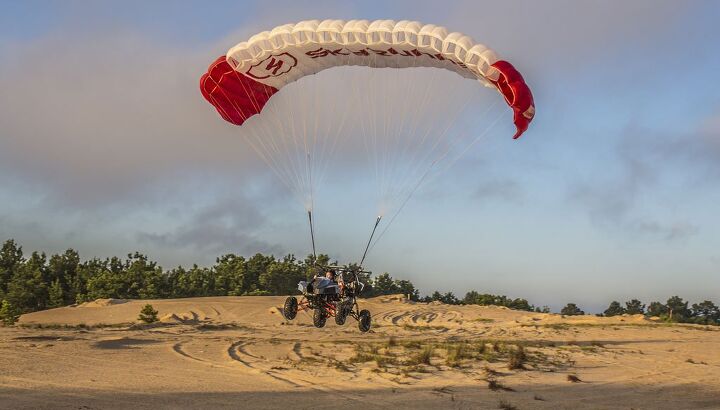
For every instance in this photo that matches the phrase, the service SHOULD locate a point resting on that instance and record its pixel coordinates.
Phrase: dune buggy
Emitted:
(330, 299)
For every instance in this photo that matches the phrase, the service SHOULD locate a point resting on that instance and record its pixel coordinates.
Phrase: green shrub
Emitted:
(148, 314)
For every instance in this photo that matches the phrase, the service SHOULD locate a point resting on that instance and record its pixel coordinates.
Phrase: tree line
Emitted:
(675, 310)
(38, 282)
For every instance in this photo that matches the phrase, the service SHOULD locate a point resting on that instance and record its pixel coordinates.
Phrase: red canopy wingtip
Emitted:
(517, 94)
(236, 97)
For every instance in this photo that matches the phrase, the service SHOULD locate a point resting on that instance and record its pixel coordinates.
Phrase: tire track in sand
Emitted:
(238, 351)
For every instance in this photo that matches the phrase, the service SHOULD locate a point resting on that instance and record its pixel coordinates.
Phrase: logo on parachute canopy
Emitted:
(272, 66)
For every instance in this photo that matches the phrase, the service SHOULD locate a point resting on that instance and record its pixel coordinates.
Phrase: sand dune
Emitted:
(239, 352)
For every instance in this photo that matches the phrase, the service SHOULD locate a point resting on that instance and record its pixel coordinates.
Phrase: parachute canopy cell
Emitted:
(240, 83)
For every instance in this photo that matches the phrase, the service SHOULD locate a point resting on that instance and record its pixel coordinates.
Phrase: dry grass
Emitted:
(505, 405)
(371, 353)
(495, 385)
(222, 326)
(361, 357)
(340, 366)
(422, 357)
(517, 359)
(573, 379)
(490, 372)
(425, 328)
(410, 344)
(81, 326)
(456, 353)
(694, 362)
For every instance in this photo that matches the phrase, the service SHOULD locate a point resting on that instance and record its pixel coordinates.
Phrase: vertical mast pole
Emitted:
(377, 221)
(312, 233)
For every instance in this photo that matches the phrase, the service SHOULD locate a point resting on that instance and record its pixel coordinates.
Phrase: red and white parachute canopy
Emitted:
(240, 83)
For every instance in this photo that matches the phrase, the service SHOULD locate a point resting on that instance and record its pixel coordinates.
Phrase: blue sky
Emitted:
(106, 146)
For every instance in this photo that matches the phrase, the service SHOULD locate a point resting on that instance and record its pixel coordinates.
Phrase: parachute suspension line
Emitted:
(291, 157)
(417, 158)
(268, 146)
(403, 205)
(277, 141)
(305, 154)
(419, 161)
(310, 181)
(282, 135)
(329, 149)
(407, 90)
(389, 137)
(480, 137)
(312, 233)
(328, 143)
(294, 159)
(265, 155)
(367, 247)
(372, 134)
(266, 152)
(427, 172)
(410, 150)
(365, 126)
(441, 136)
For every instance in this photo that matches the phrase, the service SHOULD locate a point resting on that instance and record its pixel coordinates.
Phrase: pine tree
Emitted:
(11, 258)
(148, 314)
(27, 291)
(614, 309)
(678, 309)
(706, 312)
(8, 313)
(634, 307)
(656, 309)
(571, 309)
(55, 295)
(384, 285)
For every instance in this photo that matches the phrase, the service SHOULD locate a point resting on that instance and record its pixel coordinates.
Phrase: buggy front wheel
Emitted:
(290, 308)
(364, 320)
(319, 317)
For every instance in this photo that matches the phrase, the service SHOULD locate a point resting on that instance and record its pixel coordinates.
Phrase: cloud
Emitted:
(698, 150)
(106, 118)
(500, 189)
(672, 231)
(228, 225)
(562, 35)
(645, 162)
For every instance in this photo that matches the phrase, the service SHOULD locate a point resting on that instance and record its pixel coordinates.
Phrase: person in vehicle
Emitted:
(327, 280)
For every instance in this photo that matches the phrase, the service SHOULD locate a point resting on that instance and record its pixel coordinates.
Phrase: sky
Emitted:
(107, 147)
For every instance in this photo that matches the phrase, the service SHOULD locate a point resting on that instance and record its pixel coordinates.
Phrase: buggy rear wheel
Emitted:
(290, 308)
(341, 314)
(364, 320)
(319, 317)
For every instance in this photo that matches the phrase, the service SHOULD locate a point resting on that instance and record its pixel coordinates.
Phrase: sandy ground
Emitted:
(239, 352)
